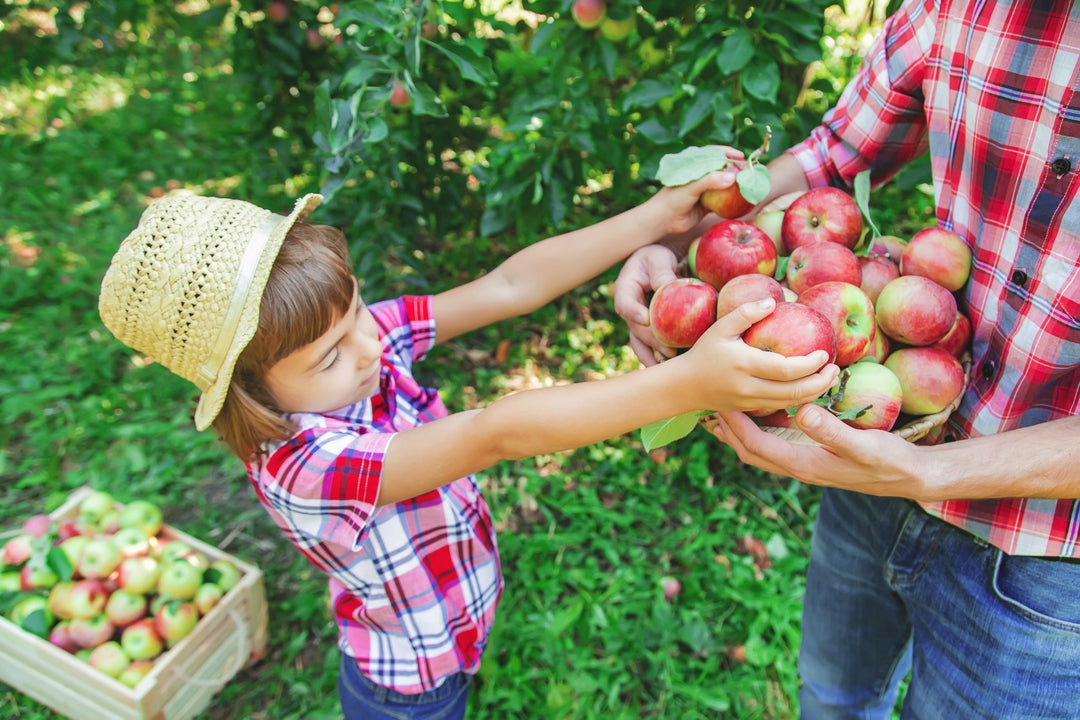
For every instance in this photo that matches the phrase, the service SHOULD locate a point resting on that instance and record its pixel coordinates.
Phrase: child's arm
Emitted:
(719, 373)
(538, 274)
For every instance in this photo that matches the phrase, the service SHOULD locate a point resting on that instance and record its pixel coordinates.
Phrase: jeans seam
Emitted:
(1023, 610)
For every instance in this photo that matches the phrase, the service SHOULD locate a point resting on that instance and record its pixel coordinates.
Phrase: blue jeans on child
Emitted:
(361, 699)
(891, 589)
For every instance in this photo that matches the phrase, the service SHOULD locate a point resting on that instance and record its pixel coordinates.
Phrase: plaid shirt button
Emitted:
(1060, 166)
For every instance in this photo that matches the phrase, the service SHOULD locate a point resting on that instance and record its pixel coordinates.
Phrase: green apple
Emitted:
(179, 579)
(144, 515)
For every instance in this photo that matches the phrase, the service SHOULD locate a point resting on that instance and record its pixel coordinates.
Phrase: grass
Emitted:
(583, 630)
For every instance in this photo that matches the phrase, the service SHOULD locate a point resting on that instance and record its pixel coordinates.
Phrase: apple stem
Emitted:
(756, 155)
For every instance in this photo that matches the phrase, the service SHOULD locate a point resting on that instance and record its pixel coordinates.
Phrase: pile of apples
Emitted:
(107, 586)
(884, 308)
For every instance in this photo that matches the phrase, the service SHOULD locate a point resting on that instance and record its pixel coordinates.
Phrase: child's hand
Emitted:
(680, 204)
(644, 271)
(729, 375)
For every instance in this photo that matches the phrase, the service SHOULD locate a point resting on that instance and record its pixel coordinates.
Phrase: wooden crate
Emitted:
(184, 678)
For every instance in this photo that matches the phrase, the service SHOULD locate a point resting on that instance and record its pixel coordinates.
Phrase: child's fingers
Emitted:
(741, 318)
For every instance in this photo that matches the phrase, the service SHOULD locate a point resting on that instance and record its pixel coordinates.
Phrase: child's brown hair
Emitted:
(310, 288)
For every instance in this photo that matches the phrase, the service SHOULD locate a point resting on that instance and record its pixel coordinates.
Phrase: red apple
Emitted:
(870, 384)
(889, 246)
(877, 272)
(17, 550)
(680, 311)
(399, 95)
(60, 636)
(90, 632)
(792, 329)
(206, 597)
(37, 525)
(930, 377)
(141, 640)
(915, 310)
(277, 11)
(138, 575)
(851, 314)
(671, 587)
(728, 202)
(123, 608)
(109, 658)
(313, 38)
(742, 289)
(84, 599)
(938, 254)
(730, 248)
(811, 265)
(175, 620)
(36, 577)
(880, 348)
(958, 339)
(136, 670)
(822, 214)
(771, 222)
(589, 13)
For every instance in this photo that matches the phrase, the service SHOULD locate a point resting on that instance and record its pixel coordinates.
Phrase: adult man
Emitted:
(960, 560)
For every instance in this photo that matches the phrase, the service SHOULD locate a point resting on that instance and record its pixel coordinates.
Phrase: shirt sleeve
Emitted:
(407, 326)
(878, 124)
(326, 484)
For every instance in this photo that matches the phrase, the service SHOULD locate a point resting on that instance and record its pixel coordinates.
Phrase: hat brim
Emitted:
(213, 397)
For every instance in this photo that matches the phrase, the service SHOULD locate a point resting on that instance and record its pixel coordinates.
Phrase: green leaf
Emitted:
(660, 433)
(762, 79)
(690, 164)
(736, 51)
(753, 182)
(473, 67)
(862, 199)
(695, 113)
(37, 623)
(647, 93)
(57, 561)
(781, 268)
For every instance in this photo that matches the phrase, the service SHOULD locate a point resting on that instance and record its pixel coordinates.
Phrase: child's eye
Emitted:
(333, 361)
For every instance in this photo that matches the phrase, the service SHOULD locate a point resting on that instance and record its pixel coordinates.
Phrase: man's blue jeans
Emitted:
(892, 589)
(361, 699)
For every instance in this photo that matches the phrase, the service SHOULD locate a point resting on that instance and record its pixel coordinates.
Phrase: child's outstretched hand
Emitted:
(680, 203)
(729, 375)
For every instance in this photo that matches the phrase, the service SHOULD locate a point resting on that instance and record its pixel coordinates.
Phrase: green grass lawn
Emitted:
(583, 630)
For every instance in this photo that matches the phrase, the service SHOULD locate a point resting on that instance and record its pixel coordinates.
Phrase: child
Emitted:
(361, 467)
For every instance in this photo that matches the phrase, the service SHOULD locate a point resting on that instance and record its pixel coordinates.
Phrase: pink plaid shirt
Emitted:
(413, 585)
(992, 90)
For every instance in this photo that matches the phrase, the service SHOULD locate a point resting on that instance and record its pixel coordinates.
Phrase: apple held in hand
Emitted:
(938, 254)
(824, 214)
(681, 310)
(873, 387)
(811, 265)
(730, 248)
(742, 289)
(931, 378)
(915, 310)
(792, 329)
(727, 202)
(850, 313)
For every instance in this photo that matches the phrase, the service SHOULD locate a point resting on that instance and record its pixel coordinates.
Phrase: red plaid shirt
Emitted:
(991, 90)
(413, 585)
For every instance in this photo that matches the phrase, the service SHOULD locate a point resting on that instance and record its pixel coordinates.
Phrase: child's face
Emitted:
(339, 368)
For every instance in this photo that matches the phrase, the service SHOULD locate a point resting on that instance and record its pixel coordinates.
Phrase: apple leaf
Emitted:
(781, 268)
(662, 432)
(753, 182)
(690, 164)
(57, 561)
(862, 199)
(37, 623)
(852, 413)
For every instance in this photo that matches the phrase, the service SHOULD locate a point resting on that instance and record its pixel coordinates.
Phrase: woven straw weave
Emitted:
(184, 287)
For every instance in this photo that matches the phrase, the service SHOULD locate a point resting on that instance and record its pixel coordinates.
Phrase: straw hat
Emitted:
(184, 288)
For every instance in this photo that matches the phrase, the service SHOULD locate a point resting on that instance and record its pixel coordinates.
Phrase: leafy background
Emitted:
(521, 124)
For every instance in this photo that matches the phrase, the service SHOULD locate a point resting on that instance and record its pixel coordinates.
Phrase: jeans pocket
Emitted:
(1040, 589)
